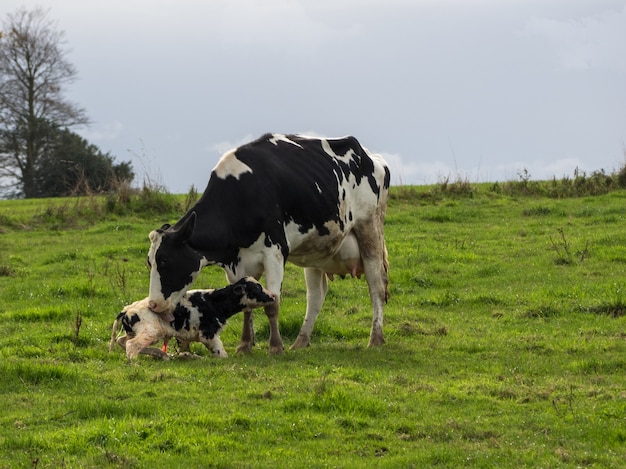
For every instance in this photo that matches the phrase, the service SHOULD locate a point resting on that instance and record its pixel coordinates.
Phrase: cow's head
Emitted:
(174, 265)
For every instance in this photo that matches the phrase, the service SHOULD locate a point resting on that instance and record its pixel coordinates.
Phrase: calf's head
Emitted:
(174, 265)
(251, 293)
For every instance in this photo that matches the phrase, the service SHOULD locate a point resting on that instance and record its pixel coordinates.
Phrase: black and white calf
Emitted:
(319, 203)
(198, 317)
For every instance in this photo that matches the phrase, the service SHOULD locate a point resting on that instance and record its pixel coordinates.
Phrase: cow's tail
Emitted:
(386, 271)
(117, 325)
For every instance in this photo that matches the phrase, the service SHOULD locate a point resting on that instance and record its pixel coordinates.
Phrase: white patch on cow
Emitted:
(229, 165)
(257, 259)
(346, 261)
(309, 249)
(328, 149)
(282, 138)
(319, 189)
(274, 267)
(251, 261)
(156, 292)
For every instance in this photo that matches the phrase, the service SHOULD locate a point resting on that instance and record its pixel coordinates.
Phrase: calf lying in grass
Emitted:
(199, 317)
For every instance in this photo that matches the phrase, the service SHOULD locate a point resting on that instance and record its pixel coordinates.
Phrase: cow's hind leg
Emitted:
(316, 289)
(373, 254)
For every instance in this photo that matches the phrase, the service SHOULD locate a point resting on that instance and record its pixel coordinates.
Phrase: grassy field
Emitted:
(505, 346)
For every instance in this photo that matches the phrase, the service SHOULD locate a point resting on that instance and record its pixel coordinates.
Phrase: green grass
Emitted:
(505, 346)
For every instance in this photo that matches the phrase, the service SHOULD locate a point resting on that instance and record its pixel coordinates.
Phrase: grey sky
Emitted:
(477, 89)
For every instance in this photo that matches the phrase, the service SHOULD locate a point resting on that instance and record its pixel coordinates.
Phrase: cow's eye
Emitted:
(148, 262)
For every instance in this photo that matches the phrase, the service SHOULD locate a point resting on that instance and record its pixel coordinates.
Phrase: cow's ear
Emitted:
(184, 231)
(154, 233)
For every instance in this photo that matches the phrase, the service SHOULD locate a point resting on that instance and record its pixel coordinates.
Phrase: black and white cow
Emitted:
(319, 203)
(198, 317)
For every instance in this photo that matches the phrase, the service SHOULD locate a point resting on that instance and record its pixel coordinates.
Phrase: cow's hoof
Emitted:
(277, 349)
(244, 347)
(376, 341)
(302, 341)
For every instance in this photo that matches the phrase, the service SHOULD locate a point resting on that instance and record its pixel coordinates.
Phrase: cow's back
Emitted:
(313, 185)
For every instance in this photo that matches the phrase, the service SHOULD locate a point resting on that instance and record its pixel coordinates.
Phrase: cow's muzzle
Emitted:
(157, 307)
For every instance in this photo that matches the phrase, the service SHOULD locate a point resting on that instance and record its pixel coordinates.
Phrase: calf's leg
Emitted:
(183, 345)
(139, 345)
(117, 324)
(155, 352)
(215, 346)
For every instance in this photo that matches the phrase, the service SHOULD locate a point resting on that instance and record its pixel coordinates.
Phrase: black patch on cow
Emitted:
(303, 186)
(181, 317)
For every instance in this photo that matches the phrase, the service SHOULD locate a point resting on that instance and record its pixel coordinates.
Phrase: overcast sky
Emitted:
(473, 89)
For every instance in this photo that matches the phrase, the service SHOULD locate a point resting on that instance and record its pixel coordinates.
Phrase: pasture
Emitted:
(505, 346)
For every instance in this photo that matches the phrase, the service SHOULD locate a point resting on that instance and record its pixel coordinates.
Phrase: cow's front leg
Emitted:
(276, 342)
(247, 334)
(274, 273)
(316, 289)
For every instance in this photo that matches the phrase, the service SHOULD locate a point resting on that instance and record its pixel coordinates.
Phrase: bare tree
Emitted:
(33, 72)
